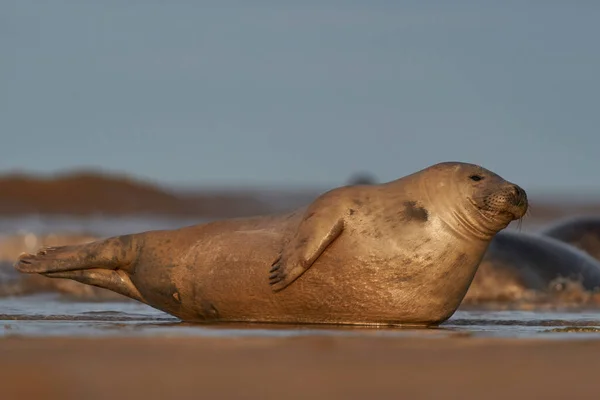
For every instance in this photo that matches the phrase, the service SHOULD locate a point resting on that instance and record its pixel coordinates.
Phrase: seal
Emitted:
(581, 231)
(538, 262)
(400, 252)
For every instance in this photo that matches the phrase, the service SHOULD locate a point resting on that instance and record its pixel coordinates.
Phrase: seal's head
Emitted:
(474, 197)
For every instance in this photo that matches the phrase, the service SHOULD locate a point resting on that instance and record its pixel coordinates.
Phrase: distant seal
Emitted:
(581, 231)
(362, 178)
(535, 261)
(401, 252)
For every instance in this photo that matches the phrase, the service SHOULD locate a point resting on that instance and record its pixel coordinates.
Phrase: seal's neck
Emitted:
(471, 223)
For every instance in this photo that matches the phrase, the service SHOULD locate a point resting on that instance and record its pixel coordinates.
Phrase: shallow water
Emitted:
(47, 315)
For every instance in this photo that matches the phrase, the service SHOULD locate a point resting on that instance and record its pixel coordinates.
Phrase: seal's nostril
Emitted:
(519, 194)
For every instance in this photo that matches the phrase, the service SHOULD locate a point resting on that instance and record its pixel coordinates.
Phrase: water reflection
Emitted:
(49, 316)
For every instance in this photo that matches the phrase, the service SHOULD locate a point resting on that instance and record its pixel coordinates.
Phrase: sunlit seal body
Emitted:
(536, 261)
(580, 231)
(402, 252)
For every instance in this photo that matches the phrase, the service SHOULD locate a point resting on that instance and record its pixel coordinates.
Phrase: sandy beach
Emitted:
(298, 368)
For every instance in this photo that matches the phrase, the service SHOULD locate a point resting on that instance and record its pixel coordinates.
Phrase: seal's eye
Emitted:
(476, 178)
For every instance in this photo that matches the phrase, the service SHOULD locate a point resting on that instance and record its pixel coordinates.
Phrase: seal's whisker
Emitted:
(520, 224)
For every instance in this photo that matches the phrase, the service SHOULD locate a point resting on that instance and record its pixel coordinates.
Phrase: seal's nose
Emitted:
(519, 196)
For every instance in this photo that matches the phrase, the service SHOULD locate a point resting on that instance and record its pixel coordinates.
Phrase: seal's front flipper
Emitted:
(108, 254)
(320, 227)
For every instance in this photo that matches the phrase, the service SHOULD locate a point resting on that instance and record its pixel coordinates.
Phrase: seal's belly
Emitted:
(356, 280)
(203, 282)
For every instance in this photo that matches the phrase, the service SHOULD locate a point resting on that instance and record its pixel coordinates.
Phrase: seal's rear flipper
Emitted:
(106, 254)
(116, 280)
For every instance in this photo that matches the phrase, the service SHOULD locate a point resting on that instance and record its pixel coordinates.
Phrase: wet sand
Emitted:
(298, 368)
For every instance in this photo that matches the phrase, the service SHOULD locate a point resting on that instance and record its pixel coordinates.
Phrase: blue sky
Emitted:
(302, 93)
